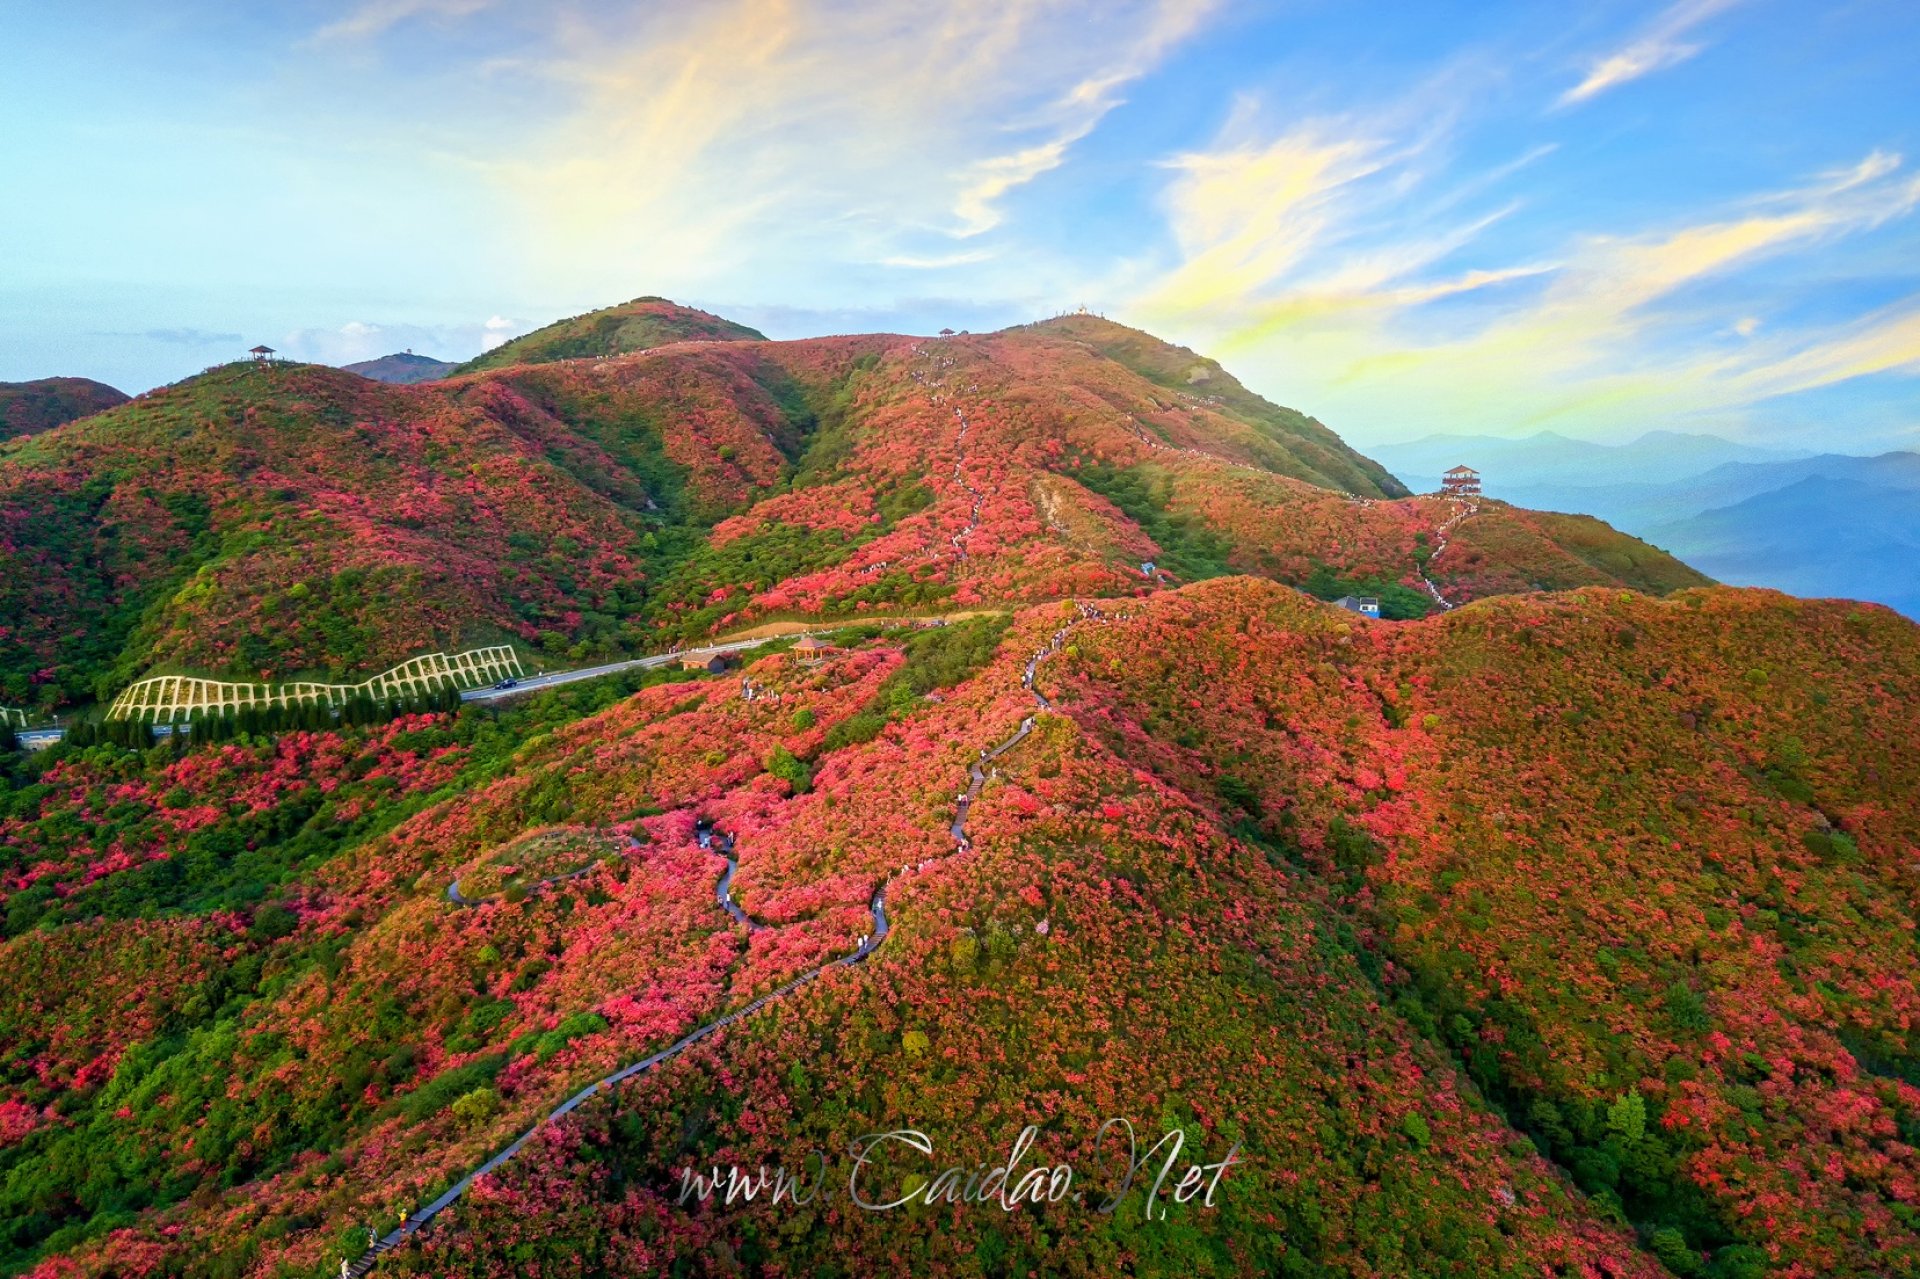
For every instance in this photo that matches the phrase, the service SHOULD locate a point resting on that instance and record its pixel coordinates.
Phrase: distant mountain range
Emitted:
(402, 369)
(27, 408)
(1549, 459)
(1818, 536)
(1825, 524)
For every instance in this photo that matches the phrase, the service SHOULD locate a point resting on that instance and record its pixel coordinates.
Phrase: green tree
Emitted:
(1628, 1116)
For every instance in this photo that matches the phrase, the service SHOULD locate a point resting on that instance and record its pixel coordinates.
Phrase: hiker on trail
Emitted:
(345, 1269)
(373, 1237)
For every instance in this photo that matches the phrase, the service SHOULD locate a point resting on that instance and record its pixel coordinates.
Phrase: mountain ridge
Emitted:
(265, 520)
(1548, 456)
(1869, 548)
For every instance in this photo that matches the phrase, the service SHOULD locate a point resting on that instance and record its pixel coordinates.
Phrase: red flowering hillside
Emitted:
(1636, 873)
(1106, 948)
(1644, 867)
(1564, 933)
(268, 521)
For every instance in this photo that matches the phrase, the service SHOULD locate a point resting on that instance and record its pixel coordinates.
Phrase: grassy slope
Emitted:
(1306, 449)
(1638, 864)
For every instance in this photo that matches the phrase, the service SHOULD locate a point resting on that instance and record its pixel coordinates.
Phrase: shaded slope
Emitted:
(402, 369)
(268, 520)
(30, 407)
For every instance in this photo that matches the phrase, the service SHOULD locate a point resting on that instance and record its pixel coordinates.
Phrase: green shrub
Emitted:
(477, 1107)
(784, 764)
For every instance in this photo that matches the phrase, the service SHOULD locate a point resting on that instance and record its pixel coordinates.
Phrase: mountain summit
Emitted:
(638, 325)
(403, 368)
(27, 408)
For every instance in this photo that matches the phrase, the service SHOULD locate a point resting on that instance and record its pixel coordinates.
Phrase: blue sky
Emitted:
(1403, 217)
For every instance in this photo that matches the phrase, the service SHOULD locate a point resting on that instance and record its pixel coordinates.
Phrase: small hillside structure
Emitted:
(1365, 605)
(262, 353)
(812, 651)
(1461, 481)
(710, 662)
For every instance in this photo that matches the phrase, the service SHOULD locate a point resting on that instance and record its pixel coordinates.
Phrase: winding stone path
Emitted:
(977, 777)
(1441, 534)
(956, 541)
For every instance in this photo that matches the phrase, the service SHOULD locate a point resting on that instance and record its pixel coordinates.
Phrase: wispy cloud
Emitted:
(376, 17)
(1076, 113)
(1884, 342)
(1245, 216)
(365, 340)
(1322, 219)
(1298, 254)
(182, 337)
(1662, 44)
(938, 262)
(788, 132)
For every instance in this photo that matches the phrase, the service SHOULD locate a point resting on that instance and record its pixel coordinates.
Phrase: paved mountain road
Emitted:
(533, 683)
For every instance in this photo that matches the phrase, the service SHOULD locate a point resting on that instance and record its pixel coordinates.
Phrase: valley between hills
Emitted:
(1560, 921)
